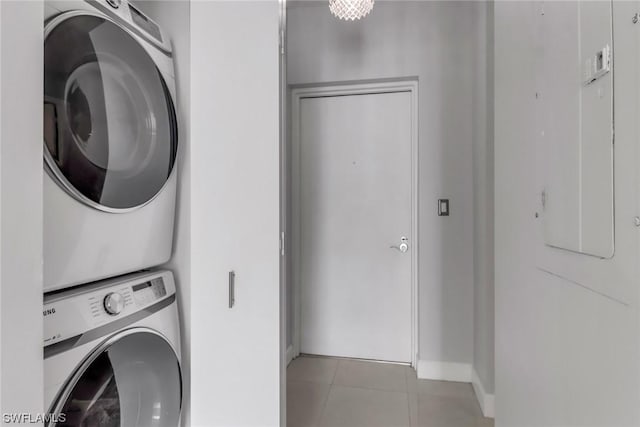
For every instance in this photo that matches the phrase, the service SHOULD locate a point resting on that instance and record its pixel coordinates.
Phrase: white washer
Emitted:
(112, 353)
(110, 142)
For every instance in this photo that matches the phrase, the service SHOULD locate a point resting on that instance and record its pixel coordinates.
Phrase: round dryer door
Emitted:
(132, 380)
(109, 121)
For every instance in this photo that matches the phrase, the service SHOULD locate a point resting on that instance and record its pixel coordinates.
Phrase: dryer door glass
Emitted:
(135, 381)
(109, 121)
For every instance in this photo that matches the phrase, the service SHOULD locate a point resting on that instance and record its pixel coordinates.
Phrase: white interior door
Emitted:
(355, 203)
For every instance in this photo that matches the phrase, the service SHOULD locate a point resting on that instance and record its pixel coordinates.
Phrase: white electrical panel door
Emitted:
(574, 68)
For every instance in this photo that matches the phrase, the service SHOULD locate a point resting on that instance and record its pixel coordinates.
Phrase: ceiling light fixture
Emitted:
(350, 10)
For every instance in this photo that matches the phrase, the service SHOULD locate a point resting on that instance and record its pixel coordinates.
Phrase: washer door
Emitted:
(109, 122)
(132, 380)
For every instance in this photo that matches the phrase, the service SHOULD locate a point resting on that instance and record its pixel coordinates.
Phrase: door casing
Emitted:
(282, 29)
(300, 92)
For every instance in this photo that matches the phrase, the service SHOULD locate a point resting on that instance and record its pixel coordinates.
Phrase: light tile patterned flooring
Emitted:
(326, 392)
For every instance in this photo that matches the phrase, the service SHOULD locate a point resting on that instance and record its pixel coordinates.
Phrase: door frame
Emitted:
(300, 92)
(283, 127)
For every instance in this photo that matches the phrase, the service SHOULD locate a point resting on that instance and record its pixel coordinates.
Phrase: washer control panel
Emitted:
(110, 303)
(114, 303)
(150, 291)
(73, 312)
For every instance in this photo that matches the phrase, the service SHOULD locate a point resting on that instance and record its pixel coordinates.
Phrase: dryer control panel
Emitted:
(73, 312)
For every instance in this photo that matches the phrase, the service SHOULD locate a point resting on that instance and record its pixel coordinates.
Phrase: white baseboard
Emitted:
(289, 354)
(487, 401)
(444, 371)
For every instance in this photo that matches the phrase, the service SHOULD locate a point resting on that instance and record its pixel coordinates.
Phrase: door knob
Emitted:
(403, 246)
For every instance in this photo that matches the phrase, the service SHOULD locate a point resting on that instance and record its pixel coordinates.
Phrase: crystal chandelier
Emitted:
(350, 10)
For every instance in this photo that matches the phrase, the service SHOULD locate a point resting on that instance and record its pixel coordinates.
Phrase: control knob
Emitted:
(113, 303)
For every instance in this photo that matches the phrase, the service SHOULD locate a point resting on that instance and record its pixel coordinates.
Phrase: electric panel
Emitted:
(574, 70)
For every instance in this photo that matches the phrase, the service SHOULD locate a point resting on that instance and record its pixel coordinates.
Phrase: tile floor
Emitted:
(326, 392)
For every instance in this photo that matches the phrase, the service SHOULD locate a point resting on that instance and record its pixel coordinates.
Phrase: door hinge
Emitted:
(282, 243)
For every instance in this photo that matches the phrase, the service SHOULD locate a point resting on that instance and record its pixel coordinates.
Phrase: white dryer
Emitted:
(112, 353)
(110, 142)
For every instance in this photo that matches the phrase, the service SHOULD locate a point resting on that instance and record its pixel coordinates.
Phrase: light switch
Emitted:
(443, 207)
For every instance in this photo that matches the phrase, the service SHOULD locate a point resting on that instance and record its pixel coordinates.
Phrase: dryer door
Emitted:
(132, 380)
(109, 120)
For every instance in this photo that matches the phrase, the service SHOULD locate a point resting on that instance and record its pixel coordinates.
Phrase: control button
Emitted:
(113, 303)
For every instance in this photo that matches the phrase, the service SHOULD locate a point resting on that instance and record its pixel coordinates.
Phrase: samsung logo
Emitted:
(48, 311)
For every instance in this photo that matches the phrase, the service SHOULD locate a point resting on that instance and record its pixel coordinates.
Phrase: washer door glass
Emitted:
(133, 382)
(109, 122)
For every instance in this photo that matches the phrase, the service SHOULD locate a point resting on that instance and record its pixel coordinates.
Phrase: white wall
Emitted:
(565, 355)
(483, 244)
(21, 77)
(433, 41)
(235, 187)
(174, 17)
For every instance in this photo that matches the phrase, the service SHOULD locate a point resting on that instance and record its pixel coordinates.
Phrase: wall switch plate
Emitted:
(443, 207)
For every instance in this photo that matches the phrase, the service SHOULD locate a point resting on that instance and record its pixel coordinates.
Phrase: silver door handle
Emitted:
(403, 246)
(232, 288)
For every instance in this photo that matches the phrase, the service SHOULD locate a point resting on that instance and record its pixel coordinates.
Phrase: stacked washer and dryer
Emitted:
(112, 340)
